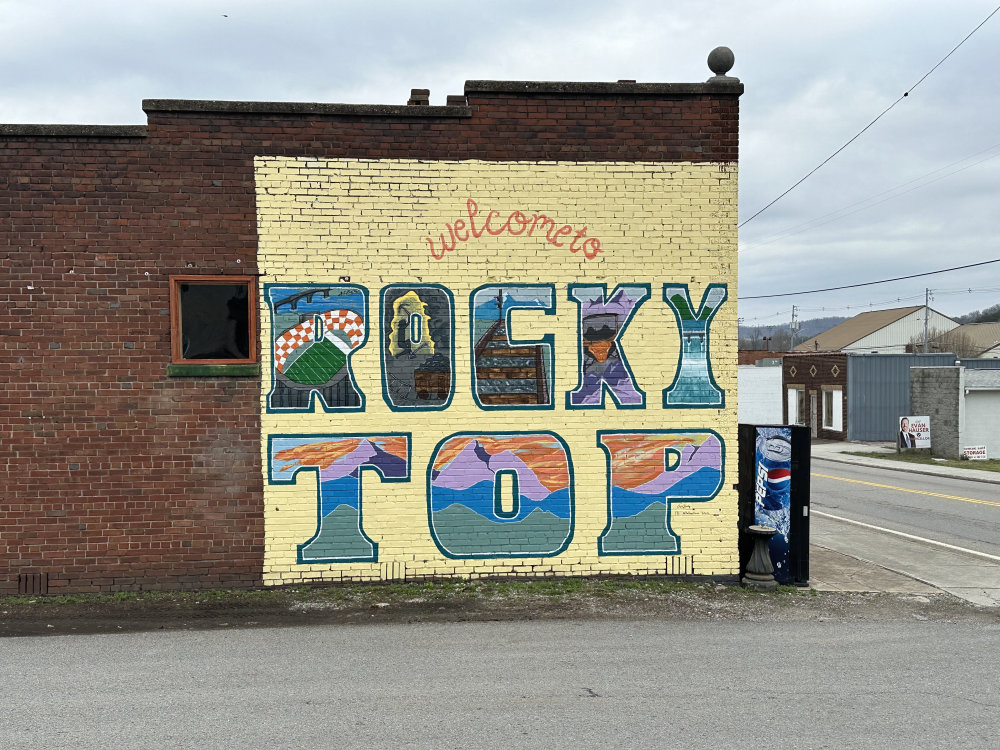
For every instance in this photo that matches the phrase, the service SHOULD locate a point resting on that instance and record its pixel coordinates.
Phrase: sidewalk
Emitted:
(845, 569)
(837, 571)
(840, 452)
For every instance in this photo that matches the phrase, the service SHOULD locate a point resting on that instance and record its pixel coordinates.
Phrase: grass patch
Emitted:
(924, 458)
(361, 594)
(178, 598)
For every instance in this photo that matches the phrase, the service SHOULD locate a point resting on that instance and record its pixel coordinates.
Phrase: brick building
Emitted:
(257, 343)
(815, 387)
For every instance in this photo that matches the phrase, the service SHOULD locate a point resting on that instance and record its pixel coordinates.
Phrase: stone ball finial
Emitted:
(721, 60)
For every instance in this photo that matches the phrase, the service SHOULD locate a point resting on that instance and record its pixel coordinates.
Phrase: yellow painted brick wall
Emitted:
(321, 221)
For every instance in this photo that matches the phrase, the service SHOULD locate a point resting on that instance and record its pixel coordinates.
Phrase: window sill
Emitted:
(214, 371)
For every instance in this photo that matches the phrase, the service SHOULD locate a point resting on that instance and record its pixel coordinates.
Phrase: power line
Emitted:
(842, 308)
(748, 321)
(970, 290)
(879, 117)
(872, 283)
(897, 300)
(756, 321)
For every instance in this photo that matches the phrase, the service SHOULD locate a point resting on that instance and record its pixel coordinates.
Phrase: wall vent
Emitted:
(679, 565)
(394, 571)
(33, 583)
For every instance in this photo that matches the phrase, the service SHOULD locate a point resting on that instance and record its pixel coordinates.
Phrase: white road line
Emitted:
(952, 547)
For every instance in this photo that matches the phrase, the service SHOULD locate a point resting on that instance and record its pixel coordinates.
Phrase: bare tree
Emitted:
(956, 342)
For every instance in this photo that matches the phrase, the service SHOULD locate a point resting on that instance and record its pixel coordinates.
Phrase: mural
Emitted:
(314, 330)
(339, 462)
(693, 384)
(647, 472)
(603, 366)
(540, 439)
(418, 370)
(472, 514)
(772, 500)
(508, 373)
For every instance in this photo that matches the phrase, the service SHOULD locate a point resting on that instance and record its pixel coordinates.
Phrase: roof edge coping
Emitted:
(720, 85)
(88, 131)
(302, 108)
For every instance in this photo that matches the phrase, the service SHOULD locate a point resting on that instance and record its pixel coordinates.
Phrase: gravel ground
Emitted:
(582, 600)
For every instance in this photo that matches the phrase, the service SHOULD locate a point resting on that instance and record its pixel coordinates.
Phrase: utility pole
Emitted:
(793, 327)
(927, 302)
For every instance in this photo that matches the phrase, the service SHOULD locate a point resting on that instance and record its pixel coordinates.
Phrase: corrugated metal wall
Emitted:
(981, 364)
(878, 391)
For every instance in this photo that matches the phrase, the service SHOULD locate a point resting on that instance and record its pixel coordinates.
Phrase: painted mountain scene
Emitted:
(339, 534)
(648, 472)
(501, 496)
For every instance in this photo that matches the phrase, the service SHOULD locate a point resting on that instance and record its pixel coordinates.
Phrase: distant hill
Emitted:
(751, 337)
(989, 315)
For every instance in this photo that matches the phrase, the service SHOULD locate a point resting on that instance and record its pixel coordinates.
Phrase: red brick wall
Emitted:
(116, 476)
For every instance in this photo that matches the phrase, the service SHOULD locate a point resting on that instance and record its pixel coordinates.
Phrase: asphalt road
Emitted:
(569, 684)
(953, 511)
(944, 532)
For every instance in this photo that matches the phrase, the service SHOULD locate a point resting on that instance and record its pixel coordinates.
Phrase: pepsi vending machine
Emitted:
(774, 491)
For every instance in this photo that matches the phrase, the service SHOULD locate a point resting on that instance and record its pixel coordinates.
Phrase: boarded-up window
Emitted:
(213, 319)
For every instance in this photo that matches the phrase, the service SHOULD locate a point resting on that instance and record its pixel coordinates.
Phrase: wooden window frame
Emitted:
(176, 356)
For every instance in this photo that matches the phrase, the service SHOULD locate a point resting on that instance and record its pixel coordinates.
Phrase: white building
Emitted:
(963, 406)
(759, 391)
(880, 332)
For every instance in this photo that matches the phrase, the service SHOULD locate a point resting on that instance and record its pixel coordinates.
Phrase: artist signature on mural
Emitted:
(516, 224)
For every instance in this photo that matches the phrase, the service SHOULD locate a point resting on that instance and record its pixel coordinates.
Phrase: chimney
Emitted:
(456, 100)
(419, 97)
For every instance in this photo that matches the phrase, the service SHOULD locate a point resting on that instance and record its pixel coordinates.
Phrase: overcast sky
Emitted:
(917, 192)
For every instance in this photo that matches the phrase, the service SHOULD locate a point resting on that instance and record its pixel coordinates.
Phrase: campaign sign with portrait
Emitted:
(914, 432)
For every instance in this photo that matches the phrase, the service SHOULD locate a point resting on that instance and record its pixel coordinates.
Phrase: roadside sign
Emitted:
(914, 432)
(975, 452)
